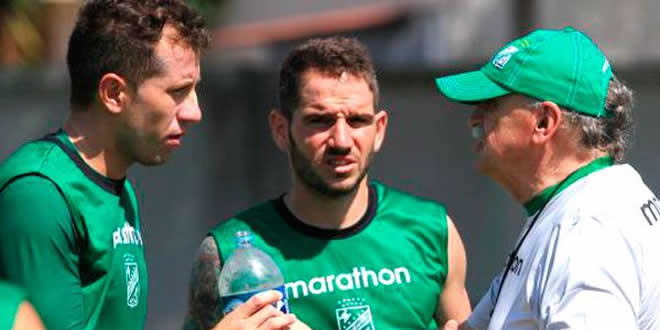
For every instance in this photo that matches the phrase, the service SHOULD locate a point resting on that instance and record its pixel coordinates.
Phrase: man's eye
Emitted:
(180, 91)
(359, 121)
(319, 120)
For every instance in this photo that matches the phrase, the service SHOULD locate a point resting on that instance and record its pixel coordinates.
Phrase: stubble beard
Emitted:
(131, 146)
(304, 170)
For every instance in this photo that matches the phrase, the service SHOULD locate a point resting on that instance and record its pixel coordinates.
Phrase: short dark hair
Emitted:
(119, 36)
(332, 56)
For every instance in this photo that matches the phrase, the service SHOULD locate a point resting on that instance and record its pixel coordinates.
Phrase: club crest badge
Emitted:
(354, 314)
(132, 281)
(503, 57)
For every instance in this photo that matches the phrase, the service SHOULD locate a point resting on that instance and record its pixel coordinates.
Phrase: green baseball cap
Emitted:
(563, 66)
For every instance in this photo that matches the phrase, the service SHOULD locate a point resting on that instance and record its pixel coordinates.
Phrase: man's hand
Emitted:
(259, 313)
(454, 325)
(299, 326)
(450, 325)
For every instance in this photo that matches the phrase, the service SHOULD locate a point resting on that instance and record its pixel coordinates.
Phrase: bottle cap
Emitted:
(243, 238)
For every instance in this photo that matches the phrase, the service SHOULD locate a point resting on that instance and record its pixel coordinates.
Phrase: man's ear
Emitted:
(279, 129)
(548, 119)
(381, 128)
(113, 92)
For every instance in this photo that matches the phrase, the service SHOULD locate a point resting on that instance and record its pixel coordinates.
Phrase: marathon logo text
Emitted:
(360, 278)
(126, 235)
(651, 211)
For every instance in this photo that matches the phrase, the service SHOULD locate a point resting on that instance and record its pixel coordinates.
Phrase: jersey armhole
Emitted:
(218, 248)
(76, 232)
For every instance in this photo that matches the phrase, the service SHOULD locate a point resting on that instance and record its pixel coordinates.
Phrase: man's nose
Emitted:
(190, 113)
(340, 135)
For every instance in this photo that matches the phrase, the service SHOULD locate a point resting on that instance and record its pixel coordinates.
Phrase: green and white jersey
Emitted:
(71, 237)
(590, 261)
(385, 272)
(11, 297)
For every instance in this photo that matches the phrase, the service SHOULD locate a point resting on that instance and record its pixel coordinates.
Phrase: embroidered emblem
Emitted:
(354, 314)
(132, 280)
(503, 57)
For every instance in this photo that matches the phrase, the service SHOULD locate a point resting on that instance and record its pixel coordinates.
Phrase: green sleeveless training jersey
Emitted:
(385, 272)
(106, 254)
(11, 298)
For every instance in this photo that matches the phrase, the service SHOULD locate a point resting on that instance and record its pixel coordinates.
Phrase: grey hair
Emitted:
(611, 133)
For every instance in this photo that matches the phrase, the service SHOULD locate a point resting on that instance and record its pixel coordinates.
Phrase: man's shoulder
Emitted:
(251, 216)
(36, 149)
(27, 193)
(613, 188)
(391, 196)
(32, 156)
(31, 185)
(615, 196)
(33, 207)
(405, 210)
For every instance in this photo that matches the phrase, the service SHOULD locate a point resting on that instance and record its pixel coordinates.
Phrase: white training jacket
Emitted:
(591, 261)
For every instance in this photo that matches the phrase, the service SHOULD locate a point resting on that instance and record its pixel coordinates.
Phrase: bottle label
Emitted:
(233, 301)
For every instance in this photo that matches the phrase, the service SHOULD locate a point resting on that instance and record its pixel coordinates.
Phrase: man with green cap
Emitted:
(550, 125)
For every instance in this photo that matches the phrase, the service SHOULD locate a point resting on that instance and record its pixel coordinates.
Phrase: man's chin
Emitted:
(486, 168)
(481, 168)
(481, 162)
(342, 187)
(336, 192)
(154, 160)
(340, 190)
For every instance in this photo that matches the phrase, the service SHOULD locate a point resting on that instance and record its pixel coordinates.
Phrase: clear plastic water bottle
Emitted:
(247, 272)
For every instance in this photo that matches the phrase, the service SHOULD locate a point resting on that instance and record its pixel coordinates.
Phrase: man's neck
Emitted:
(322, 211)
(95, 144)
(552, 172)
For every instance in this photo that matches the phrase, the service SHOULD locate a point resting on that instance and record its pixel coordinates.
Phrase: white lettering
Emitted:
(116, 238)
(328, 280)
(404, 271)
(126, 234)
(319, 290)
(293, 287)
(356, 277)
(345, 286)
(390, 276)
(359, 278)
(370, 273)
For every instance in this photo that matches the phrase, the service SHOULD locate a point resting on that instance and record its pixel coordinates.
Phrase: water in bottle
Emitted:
(247, 272)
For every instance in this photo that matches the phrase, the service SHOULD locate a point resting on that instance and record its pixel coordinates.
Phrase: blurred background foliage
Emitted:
(34, 32)
(21, 35)
(208, 8)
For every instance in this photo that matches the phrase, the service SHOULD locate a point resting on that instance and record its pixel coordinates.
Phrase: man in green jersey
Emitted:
(15, 311)
(69, 222)
(355, 254)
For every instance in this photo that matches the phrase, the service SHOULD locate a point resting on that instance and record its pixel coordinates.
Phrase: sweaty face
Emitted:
(334, 133)
(502, 129)
(163, 106)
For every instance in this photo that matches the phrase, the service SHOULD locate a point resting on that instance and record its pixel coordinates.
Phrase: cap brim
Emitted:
(469, 87)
